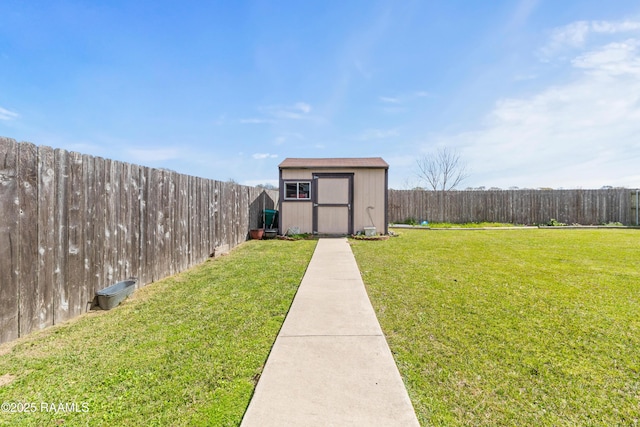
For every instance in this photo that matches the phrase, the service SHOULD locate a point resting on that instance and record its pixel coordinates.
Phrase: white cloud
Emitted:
(576, 35)
(8, 115)
(259, 156)
(615, 27)
(612, 59)
(573, 35)
(580, 134)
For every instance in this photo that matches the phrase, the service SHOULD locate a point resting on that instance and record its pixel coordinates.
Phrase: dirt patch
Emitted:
(5, 348)
(6, 379)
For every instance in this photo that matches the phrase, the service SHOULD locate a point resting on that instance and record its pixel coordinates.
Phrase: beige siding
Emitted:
(369, 190)
(296, 214)
(296, 174)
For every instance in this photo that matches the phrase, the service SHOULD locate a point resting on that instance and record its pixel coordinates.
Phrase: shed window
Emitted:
(300, 190)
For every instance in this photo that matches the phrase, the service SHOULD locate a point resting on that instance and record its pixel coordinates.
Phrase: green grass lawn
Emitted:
(466, 224)
(471, 225)
(519, 328)
(183, 351)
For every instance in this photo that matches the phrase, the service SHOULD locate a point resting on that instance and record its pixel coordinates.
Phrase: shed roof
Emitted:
(334, 162)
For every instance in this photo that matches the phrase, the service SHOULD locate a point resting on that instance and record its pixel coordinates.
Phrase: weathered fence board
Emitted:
(514, 206)
(179, 224)
(135, 232)
(9, 286)
(203, 195)
(89, 225)
(46, 235)
(72, 224)
(97, 199)
(28, 295)
(110, 226)
(143, 224)
(61, 248)
(76, 232)
(213, 215)
(635, 207)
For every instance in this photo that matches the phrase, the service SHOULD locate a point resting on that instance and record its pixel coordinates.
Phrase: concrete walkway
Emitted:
(330, 365)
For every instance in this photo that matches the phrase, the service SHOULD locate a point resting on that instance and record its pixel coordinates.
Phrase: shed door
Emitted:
(332, 204)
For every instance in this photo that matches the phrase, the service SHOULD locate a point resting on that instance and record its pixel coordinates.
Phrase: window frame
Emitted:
(297, 182)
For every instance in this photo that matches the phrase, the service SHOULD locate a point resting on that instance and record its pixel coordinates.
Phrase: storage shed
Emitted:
(333, 196)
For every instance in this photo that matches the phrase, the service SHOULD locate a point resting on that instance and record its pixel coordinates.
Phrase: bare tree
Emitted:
(442, 171)
(267, 186)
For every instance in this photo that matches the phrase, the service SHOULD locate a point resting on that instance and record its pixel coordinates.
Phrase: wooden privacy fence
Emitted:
(72, 224)
(515, 206)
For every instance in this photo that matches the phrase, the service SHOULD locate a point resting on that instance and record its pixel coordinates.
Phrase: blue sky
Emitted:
(532, 93)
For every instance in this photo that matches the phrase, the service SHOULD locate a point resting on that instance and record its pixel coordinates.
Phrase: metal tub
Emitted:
(113, 295)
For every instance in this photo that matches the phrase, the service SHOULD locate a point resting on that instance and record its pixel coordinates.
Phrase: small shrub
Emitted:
(410, 221)
(555, 223)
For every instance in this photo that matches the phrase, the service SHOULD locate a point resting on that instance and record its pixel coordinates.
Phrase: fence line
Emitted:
(515, 206)
(71, 224)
